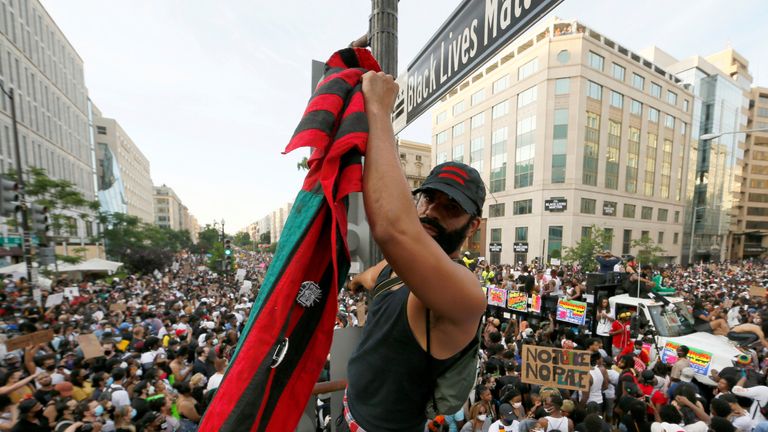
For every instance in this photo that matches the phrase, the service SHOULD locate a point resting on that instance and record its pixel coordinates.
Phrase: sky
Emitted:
(212, 90)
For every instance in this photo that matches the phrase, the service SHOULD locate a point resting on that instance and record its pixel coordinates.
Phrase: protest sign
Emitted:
(497, 296)
(536, 303)
(19, 342)
(54, 299)
(555, 367)
(37, 295)
(571, 311)
(90, 345)
(700, 359)
(118, 307)
(517, 301)
(240, 275)
(756, 291)
(71, 292)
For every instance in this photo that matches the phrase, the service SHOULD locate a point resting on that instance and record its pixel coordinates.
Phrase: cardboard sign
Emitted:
(700, 359)
(118, 307)
(37, 295)
(54, 299)
(19, 342)
(90, 345)
(497, 296)
(555, 367)
(756, 291)
(571, 311)
(517, 301)
(536, 303)
(71, 292)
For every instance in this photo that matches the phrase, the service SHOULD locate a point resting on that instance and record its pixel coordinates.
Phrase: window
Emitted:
(458, 129)
(683, 127)
(526, 97)
(442, 157)
(650, 165)
(477, 120)
(588, 206)
(441, 137)
(762, 112)
(612, 157)
(441, 117)
(501, 84)
(675, 238)
(646, 213)
(522, 207)
(626, 242)
(669, 121)
(101, 130)
(666, 167)
(653, 115)
(618, 72)
(617, 99)
(559, 145)
(638, 81)
(636, 108)
(528, 69)
(677, 216)
(563, 56)
(499, 160)
(555, 243)
(591, 150)
(671, 97)
(663, 215)
(458, 108)
(525, 151)
(495, 234)
(521, 234)
(609, 208)
(645, 234)
(655, 90)
(685, 105)
(633, 160)
(629, 211)
(562, 86)
(595, 61)
(608, 243)
(496, 210)
(594, 90)
(478, 97)
(586, 232)
(660, 237)
(500, 109)
(458, 153)
(476, 153)
(757, 197)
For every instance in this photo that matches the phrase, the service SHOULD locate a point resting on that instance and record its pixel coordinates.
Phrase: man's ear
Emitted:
(473, 226)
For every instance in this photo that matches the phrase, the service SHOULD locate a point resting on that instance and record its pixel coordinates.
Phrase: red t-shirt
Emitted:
(620, 340)
(657, 397)
(630, 349)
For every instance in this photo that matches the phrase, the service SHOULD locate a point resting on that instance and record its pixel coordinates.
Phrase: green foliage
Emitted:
(69, 259)
(265, 237)
(217, 255)
(272, 248)
(242, 239)
(303, 165)
(648, 252)
(206, 239)
(585, 250)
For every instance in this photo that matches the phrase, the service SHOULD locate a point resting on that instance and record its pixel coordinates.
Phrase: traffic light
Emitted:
(39, 219)
(228, 248)
(9, 197)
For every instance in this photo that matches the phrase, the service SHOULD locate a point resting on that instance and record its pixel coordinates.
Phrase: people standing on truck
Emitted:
(620, 332)
(607, 261)
(605, 318)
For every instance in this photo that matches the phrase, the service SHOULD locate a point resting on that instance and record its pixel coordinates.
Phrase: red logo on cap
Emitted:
(452, 176)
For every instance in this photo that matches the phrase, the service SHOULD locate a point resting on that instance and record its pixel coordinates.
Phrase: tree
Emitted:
(648, 252)
(265, 237)
(206, 239)
(242, 239)
(585, 250)
(303, 165)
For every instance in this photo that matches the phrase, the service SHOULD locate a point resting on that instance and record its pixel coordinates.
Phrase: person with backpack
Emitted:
(426, 322)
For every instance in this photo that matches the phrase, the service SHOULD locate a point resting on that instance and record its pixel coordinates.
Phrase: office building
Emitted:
(277, 221)
(416, 160)
(170, 211)
(570, 129)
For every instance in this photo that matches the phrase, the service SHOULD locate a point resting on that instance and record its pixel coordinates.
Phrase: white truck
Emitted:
(672, 325)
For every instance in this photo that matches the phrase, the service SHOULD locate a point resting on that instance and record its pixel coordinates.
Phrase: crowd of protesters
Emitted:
(166, 340)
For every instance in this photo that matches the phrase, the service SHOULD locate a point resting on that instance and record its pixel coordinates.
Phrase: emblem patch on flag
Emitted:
(309, 294)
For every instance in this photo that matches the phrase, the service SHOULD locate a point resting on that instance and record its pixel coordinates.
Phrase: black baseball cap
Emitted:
(459, 181)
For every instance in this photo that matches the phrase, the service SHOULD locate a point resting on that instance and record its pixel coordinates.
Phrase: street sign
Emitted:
(520, 247)
(556, 205)
(473, 34)
(494, 247)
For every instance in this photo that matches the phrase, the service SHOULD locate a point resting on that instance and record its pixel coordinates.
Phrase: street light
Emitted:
(710, 136)
(26, 244)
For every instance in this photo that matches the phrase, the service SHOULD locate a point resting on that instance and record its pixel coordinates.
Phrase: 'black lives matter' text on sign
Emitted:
(476, 31)
(555, 367)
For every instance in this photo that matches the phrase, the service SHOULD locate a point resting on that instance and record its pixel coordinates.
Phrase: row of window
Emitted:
(618, 72)
(610, 208)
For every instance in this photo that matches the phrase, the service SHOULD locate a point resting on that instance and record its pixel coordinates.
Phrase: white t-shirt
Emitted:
(214, 381)
(699, 426)
(497, 426)
(759, 394)
(743, 423)
(734, 317)
(666, 427)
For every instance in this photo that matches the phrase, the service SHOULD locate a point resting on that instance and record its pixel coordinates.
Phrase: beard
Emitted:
(449, 241)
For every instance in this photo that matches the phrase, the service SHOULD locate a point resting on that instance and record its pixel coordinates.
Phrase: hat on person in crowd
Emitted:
(648, 377)
(625, 314)
(632, 389)
(64, 388)
(686, 375)
(506, 412)
(528, 332)
(26, 405)
(742, 360)
(568, 406)
(11, 358)
(460, 182)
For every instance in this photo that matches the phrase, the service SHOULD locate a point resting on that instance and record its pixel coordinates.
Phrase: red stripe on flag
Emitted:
(451, 176)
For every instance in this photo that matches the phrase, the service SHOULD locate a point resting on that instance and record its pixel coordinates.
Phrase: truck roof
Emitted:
(635, 301)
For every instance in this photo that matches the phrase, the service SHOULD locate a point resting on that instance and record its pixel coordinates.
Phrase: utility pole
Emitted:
(383, 34)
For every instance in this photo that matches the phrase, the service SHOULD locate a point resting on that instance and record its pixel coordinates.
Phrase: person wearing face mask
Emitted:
(478, 418)
(636, 349)
(555, 420)
(124, 417)
(507, 421)
(7, 413)
(90, 412)
(31, 417)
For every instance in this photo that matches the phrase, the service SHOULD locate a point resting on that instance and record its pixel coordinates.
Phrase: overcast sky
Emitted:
(211, 90)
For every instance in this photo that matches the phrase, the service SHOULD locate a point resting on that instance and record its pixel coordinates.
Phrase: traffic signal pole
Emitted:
(383, 34)
(26, 243)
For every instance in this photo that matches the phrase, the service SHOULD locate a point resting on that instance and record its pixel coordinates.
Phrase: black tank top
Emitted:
(389, 380)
